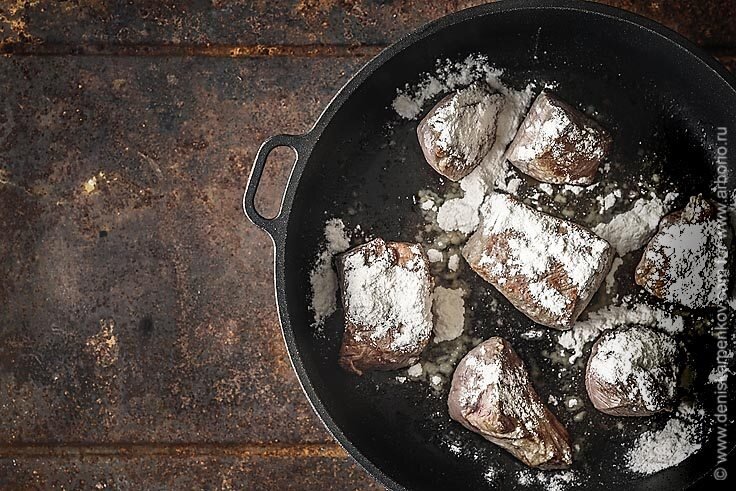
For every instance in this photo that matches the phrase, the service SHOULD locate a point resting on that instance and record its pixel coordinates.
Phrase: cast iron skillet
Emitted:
(661, 97)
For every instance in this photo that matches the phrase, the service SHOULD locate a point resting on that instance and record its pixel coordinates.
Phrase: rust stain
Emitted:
(134, 450)
(12, 14)
(181, 50)
(104, 345)
(315, 8)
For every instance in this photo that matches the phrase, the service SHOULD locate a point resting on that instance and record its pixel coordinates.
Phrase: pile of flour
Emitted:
(681, 437)
(630, 230)
(323, 278)
(449, 313)
(448, 76)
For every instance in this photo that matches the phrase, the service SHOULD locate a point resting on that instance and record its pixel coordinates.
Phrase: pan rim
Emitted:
(310, 139)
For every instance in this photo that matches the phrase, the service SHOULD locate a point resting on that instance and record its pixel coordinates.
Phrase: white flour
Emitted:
(538, 241)
(387, 296)
(541, 134)
(606, 202)
(549, 480)
(583, 332)
(681, 437)
(630, 230)
(434, 255)
(483, 373)
(611, 278)
(454, 262)
(415, 370)
(493, 172)
(547, 188)
(461, 214)
(491, 373)
(323, 278)
(448, 76)
(532, 334)
(449, 313)
(577, 190)
(545, 133)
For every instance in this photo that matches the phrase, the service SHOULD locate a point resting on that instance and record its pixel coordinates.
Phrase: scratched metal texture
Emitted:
(139, 342)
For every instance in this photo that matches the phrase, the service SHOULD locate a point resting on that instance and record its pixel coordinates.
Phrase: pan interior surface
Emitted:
(663, 107)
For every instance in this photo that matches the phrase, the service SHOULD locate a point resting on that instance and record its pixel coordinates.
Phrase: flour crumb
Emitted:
(611, 277)
(532, 334)
(415, 370)
(630, 230)
(547, 188)
(454, 262)
(576, 190)
(323, 278)
(512, 186)
(434, 255)
(449, 313)
(608, 201)
(461, 214)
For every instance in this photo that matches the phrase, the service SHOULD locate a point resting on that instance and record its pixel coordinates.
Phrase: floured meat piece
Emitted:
(387, 299)
(633, 371)
(686, 260)
(547, 267)
(460, 130)
(558, 144)
(491, 394)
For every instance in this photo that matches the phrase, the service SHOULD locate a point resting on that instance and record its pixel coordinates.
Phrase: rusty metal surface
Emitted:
(139, 342)
(198, 23)
(137, 299)
(167, 473)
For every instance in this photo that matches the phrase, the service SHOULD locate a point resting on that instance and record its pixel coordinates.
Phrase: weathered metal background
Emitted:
(139, 342)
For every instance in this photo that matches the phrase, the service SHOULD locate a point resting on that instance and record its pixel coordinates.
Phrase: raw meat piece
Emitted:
(633, 371)
(686, 261)
(491, 394)
(460, 130)
(547, 267)
(558, 144)
(387, 300)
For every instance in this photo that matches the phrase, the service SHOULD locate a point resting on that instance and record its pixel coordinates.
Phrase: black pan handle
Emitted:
(270, 225)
